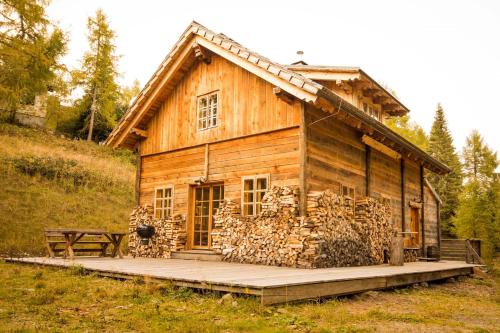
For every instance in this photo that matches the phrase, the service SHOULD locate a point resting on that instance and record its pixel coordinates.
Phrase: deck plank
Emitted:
(273, 284)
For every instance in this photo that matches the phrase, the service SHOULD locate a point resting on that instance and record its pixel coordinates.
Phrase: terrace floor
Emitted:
(272, 284)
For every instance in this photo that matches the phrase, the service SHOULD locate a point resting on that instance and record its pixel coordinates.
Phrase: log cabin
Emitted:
(218, 122)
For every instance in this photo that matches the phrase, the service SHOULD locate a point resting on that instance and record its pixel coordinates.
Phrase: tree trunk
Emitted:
(92, 114)
(94, 93)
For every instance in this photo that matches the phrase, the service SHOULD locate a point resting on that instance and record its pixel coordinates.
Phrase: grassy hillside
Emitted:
(36, 299)
(49, 181)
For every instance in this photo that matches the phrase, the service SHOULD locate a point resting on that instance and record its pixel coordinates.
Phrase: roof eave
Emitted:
(428, 161)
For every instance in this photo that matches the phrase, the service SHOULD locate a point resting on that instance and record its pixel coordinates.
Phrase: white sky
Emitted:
(427, 51)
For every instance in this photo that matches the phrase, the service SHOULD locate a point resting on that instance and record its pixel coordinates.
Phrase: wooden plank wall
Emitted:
(335, 154)
(275, 153)
(386, 182)
(247, 106)
(431, 218)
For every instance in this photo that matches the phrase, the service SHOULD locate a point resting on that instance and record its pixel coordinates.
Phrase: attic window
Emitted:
(207, 112)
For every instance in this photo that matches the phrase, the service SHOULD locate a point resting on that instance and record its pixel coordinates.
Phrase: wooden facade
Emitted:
(272, 122)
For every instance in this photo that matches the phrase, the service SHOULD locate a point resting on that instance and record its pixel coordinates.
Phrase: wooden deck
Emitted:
(272, 284)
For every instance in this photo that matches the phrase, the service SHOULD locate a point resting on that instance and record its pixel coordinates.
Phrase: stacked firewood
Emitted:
(373, 221)
(330, 235)
(170, 234)
(410, 255)
(265, 239)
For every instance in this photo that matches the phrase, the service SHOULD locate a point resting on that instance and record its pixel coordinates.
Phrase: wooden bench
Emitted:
(71, 241)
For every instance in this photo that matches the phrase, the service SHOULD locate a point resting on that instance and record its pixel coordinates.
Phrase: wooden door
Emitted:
(415, 227)
(206, 201)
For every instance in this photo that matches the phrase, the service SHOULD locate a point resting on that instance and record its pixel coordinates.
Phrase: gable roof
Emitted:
(182, 56)
(371, 88)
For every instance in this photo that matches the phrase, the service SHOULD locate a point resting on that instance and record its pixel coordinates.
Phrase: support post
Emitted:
(438, 217)
(205, 174)
(368, 158)
(403, 195)
(423, 250)
(138, 175)
(303, 161)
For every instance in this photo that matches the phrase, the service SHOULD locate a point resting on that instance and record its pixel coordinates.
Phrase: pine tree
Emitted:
(98, 77)
(409, 130)
(477, 215)
(30, 50)
(447, 186)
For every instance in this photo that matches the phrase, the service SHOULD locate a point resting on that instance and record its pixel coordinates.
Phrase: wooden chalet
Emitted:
(218, 121)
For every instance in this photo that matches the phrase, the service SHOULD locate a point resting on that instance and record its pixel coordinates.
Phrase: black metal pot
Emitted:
(145, 232)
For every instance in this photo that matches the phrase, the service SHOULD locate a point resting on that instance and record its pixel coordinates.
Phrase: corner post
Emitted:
(303, 161)
(138, 174)
(368, 158)
(423, 250)
(403, 195)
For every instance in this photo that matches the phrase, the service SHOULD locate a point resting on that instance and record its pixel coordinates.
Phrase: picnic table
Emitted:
(83, 240)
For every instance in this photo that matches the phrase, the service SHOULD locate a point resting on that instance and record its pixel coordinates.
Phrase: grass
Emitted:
(47, 180)
(34, 299)
(50, 181)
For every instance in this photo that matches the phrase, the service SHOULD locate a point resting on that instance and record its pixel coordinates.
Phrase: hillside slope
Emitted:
(49, 181)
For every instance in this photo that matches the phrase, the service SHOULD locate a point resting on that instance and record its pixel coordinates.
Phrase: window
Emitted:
(254, 189)
(163, 202)
(207, 113)
(347, 191)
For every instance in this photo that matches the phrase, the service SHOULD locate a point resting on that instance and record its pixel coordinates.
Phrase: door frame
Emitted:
(190, 225)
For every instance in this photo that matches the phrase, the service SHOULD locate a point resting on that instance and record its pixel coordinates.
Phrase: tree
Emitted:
(477, 215)
(98, 78)
(127, 94)
(30, 50)
(409, 130)
(447, 186)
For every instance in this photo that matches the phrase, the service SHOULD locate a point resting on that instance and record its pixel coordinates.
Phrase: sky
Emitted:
(429, 52)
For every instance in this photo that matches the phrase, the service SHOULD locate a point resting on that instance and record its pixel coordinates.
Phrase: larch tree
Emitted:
(97, 76)
(448, 186)
(30, 51)
(477, 215)
(409, 130)
(127, 94)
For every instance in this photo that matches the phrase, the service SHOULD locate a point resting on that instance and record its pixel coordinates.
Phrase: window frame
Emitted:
(254, 191)
(208, 117)
(162, 209)
(349, 187)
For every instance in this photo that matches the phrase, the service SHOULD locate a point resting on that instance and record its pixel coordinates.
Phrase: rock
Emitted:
(450, 280)
(226, 299)
(424, 284)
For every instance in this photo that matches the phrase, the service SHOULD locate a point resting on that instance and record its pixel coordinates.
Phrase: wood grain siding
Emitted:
(431, 218)
(247, 105)
(386, 182)
(335, 154)
(275, 153)
(412, 185)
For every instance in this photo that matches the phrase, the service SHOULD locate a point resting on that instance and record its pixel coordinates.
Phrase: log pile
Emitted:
(376, 229)
(334, 233)
(272, 238)
(410, 255)
(170, 234)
